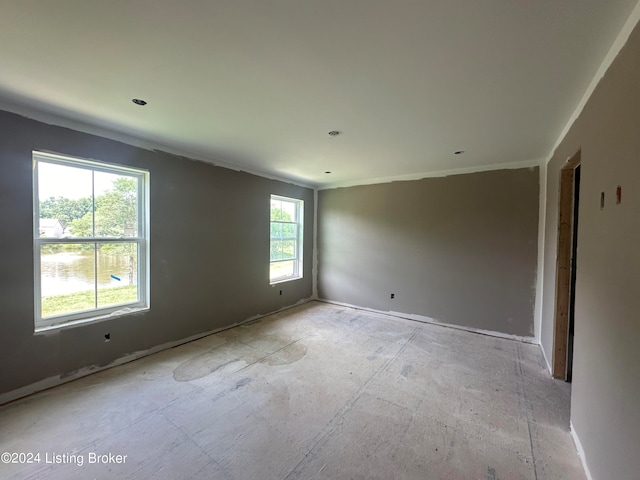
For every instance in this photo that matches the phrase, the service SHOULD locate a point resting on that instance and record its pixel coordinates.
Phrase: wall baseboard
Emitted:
(581, 453)
(423, 319)
(83, 372)
(544, 354)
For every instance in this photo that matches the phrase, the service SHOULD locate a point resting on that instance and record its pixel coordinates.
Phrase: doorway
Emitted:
(566, 264)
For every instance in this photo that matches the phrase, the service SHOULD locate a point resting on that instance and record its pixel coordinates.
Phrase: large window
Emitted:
(286, 239)
(91, 244)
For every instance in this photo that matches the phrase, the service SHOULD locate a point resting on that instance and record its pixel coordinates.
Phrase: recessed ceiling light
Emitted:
(458, 152)
(334, 133)
(138, 101)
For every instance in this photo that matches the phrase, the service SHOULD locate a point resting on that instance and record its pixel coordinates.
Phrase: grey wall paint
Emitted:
(459, 249)
(209, 254)
(606, 376)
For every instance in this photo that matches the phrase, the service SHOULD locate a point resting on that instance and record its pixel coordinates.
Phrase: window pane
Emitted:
(276, 250)
(65, 199)
(276, 210)
(276, 230)
(286, 249)
(116, 198)
(117, 273)
(67, 278)
(288, 230)
(281, 270)
(289, 212)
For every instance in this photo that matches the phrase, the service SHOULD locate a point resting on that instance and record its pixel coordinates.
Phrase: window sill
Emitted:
(91, 320)
(283, 280)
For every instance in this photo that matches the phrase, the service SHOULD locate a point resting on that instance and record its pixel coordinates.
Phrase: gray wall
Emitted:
(459, 249)
(209, 254)
(605, 404)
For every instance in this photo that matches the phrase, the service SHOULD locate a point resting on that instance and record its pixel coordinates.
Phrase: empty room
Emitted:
(355, 239)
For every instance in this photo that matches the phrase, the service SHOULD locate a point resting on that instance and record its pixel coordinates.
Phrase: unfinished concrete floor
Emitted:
(317, 391)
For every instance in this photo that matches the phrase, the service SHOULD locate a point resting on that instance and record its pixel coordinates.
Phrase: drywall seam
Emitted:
(618, 43)
(441, 173)
(314, 250)
(581, 454)
(83, 372)
(61, 121)
(431, 321)
(542, 213)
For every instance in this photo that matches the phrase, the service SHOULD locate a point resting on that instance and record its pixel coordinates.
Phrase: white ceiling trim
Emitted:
(442, 173)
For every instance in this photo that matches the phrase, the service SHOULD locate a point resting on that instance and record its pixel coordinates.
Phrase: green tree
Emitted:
(280, 247)
(115, 212)
(66, 210)
(280, 215)
(116, 209)
(115, 215)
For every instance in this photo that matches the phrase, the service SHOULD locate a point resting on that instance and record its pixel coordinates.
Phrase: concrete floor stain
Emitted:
(406, 370)
(242, 383)
(202, 365)
(289, 354)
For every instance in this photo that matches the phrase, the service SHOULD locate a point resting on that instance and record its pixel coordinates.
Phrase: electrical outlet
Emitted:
(393, 295)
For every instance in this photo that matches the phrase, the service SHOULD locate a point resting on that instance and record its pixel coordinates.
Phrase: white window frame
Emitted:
(298, 261)
(142, 240)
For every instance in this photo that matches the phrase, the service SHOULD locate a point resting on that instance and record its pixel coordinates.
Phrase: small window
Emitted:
(286, 239)
(91, 245)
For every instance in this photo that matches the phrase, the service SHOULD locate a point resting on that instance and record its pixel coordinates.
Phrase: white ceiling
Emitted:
(259, 83)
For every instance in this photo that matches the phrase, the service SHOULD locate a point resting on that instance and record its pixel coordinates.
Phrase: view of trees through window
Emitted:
(88, 238)
(286, 234)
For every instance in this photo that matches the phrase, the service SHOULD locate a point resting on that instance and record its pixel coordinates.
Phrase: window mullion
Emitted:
(36, 243)
(95, 275)
(81, 240)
